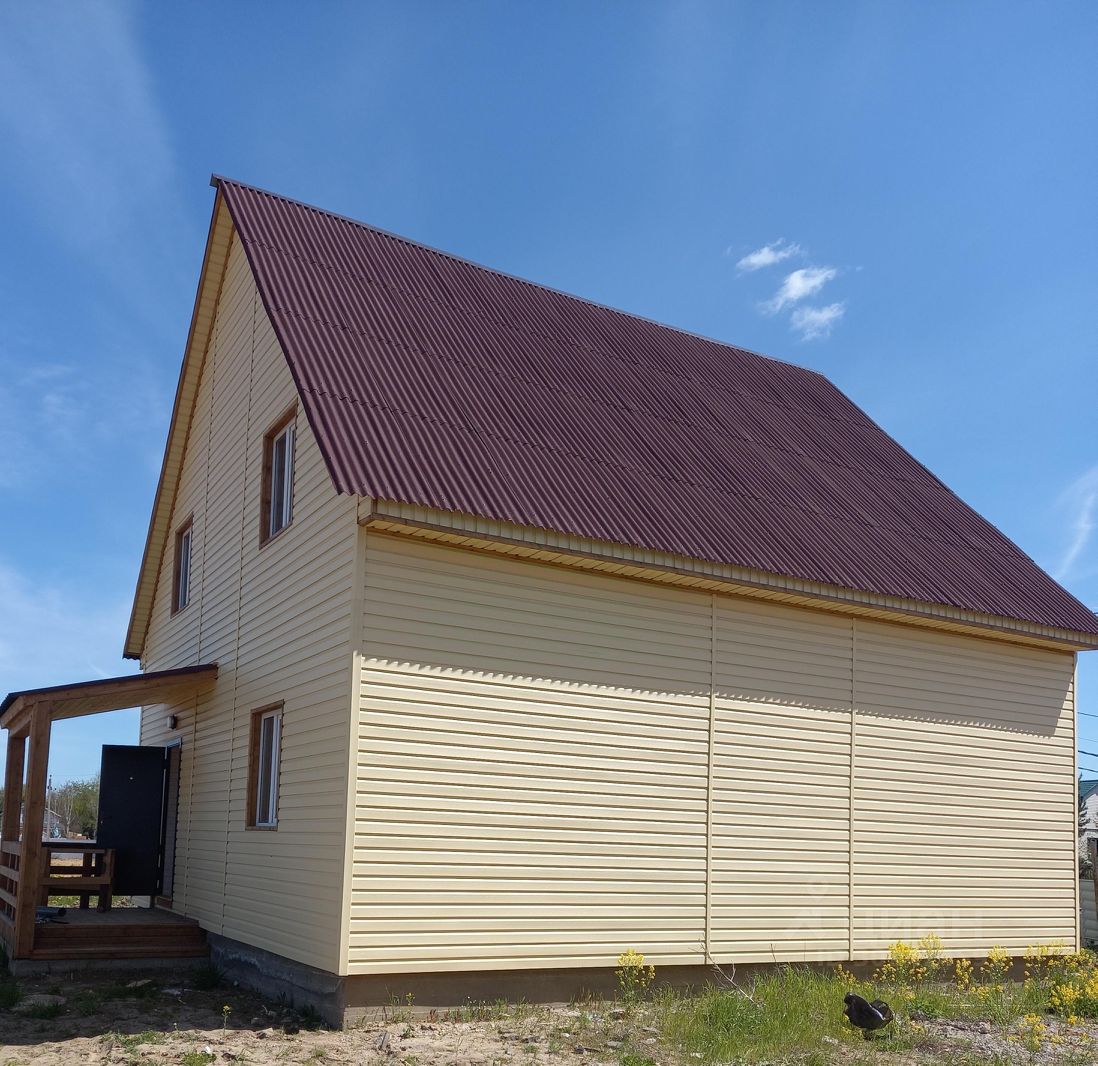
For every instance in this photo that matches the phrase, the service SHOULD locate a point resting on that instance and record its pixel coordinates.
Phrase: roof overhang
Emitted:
(198, 338)
(505, 538)
(106, 694)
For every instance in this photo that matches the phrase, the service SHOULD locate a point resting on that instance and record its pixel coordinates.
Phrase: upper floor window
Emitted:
(181, 573)
(278, 477)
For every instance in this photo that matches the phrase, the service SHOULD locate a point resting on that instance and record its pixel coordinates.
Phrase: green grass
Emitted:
(792, 1009)
(132, 1041)
(196, 1058)
(795, 1011)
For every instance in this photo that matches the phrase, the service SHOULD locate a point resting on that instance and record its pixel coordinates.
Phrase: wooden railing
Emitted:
(76, 869)
(11, 853)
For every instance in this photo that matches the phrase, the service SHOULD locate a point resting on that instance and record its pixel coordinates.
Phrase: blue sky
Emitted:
(929, 168)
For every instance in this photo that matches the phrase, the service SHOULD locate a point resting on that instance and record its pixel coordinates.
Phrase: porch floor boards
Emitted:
(121, 933)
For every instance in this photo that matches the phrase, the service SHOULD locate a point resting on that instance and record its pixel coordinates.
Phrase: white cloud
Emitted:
(767, 255)
(1080, 500)
(813, 322)
(799, 285)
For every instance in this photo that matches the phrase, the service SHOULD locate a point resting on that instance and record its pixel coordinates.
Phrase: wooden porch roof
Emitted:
(107, 694)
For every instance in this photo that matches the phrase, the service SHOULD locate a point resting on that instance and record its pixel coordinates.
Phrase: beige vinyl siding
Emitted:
(964, 806)
(522, 799)
(781, 783)
(534, 785)
(278, 621)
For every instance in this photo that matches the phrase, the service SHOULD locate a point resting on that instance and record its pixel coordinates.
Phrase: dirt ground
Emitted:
(148, 1020)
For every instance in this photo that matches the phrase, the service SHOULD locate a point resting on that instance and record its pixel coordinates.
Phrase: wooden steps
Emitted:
(119, 939)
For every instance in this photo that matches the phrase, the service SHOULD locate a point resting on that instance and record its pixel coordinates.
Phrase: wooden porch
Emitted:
(33, 869)
(121, 933)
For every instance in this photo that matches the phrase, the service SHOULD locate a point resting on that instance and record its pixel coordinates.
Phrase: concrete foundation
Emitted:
(38, 967)
(342, 1001)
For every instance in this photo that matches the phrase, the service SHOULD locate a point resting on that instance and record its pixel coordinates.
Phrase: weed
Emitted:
(309, 1017)
(398, 1011)
(87, 1003)
(196, 1058)
(996, 966)
(789, 1008)
(132, 1041)
(634, 977)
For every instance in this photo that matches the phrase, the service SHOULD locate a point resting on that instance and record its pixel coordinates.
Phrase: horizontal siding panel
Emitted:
(964, 771)
(499, 747)
(781, 783)
(531, 751)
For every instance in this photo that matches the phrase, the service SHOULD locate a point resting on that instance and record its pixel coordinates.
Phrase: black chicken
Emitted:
(866, 1015)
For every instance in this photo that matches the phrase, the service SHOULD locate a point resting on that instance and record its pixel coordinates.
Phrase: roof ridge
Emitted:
(574, 346)
(938, 549)
(217, 179)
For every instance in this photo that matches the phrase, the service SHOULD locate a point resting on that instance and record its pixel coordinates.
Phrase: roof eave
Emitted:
(483, 533)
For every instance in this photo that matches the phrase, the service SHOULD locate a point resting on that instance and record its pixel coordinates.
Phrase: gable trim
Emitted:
(214, 262)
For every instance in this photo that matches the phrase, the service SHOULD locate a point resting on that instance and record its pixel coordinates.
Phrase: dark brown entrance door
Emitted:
(131, 815)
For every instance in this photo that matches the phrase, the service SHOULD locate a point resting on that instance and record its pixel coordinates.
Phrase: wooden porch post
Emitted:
(13, 789)
(34, 810)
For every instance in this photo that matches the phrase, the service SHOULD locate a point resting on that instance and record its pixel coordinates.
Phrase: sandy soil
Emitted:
(145, 1021)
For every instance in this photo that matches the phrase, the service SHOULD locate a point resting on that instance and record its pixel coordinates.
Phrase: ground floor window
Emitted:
(263, 762)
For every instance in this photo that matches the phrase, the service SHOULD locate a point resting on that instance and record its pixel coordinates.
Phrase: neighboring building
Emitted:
(1087, 812)
(543, 631)
(1088, 832)
(1088, 805)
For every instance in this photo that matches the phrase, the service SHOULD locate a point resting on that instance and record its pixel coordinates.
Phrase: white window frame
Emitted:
(181, 585)
(280, 515)
(270, 760)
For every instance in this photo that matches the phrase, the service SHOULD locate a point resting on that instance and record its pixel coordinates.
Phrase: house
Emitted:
(487, 632)
(1088, 807)
(1088, 879)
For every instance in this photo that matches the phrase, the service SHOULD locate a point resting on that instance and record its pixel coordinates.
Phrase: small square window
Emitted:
(181, 572)
(263, 764)
(278, 477)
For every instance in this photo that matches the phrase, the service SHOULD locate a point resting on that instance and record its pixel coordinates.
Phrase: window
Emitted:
(263, 760)
(181, 575)
(278, 477)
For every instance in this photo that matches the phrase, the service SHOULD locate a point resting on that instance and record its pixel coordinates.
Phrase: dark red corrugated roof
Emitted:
(433, 381)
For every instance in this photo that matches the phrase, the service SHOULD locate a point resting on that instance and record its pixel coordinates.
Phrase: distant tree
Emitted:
(1083, 823)
(76, 804)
